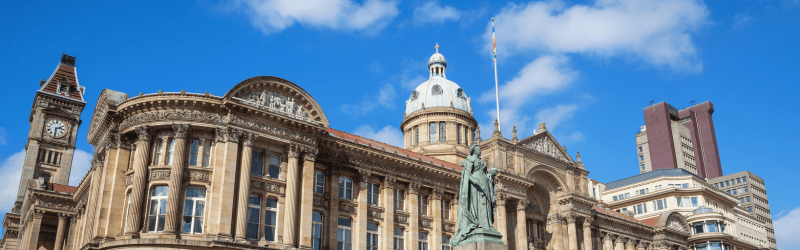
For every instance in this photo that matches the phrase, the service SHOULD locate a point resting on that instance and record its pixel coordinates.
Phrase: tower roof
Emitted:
(437, 91)
(64, 80)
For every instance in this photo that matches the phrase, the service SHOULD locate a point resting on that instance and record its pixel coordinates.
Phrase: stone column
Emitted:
(630, 244)
(572, 231)
(139, 180)
(555, 232)
(34, 228)
(62, 221)
(226, 159)
(388, 216)
(641, 245)
(608, 243)
(522, 230)
(115, 189)
(175, 180)
(437, 215)
(92, 212)
(333, 218)
(360, 225)
(292, 196)
(413, 220)
(500, 218)
(307, 197)
(244, 186)
(562, 222)
(71, 234)
(587, 233)
(619, 244)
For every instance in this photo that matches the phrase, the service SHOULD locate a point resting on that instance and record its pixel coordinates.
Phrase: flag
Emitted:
(494, 41)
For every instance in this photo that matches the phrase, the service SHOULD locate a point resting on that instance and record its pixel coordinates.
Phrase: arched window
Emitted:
(432, 131)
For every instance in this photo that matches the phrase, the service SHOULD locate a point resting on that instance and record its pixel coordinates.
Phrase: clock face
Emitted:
(56, 128)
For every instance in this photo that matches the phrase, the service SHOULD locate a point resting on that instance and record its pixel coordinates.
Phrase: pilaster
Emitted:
(92, 215)
(360, 227)
(608, 241)
(500, 221)
(244, 186)
(34, 228)
(437, 212)
(292, 197)
(62, 223)
(619, 244)
(554, 222)
(333, 217)
(175, 179)
(587, 233)
(522, 231)
(388, 217)
(307, 197)
(573, 231)
(115, 188)
(630, 244)
(413, 221)
(225, 161)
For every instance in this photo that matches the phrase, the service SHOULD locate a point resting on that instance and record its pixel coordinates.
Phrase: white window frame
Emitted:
(398, 238)
(445, 210)
(446, 242)
(373, 236)
(257, 214)
(274, 163)
(257, 160)
(373, 194)
(206, 153)
(345, 241)
(170, 151)
(423, 240)
(345, 192)
(194, 216)
(319, 182)
(317, 228)
(274, 225)
(158, 157)
(194, 152)
(399, 200)
(422, 204)
(158, 213)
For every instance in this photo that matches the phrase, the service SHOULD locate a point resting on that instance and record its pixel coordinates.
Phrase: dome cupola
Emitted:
(437, 91)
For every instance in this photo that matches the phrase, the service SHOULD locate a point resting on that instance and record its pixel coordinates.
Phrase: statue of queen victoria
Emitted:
(476, 210)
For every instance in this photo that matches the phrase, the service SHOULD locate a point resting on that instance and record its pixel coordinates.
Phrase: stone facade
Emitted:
(199, 171)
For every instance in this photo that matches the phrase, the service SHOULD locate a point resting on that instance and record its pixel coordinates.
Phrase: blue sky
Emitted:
(587, 69)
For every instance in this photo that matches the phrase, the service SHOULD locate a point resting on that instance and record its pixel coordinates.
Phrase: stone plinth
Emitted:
(481, 246)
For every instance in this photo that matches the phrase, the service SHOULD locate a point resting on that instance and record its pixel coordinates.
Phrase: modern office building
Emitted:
(679, 139)
(752, 194)
(718, 220)
(260, 167)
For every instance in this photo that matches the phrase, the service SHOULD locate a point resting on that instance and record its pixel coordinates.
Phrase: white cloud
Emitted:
(431, 12)
(2, 136)
(572, 138)
(389, 135)
(742, 20)
(10, 173)
(657, 32)
(545, 75)
(383, 99)
(787, 233)
(273, 16)
(81, 163)
(554, 116)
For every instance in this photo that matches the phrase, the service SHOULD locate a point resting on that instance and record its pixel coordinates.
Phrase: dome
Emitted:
(437, 91)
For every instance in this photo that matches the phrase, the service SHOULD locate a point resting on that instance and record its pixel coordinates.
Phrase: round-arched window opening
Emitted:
(414, 95)
(437, 90)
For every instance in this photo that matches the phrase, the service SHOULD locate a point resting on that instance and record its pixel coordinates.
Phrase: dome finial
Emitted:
(437, 47)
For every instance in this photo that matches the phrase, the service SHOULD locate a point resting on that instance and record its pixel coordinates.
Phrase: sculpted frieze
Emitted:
(347, 208)
(375, 214)
(196, 175)
(53, 203)
(214, 118)
(547, 147)
(128, 180)
(320, 203)
(266, 186)
(425, 223)
(400, 218)
(510, 189)
(275, 103)
(159, 175)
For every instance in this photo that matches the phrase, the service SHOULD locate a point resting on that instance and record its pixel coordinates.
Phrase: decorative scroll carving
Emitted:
(248, 138)
(266, 186)
(388, 182)
(196, 175)
(522, 204)
(38, 213)
(587, 222)
(510, 189)
(374, 214)
(293, 150)
(221, 135)
(234, 134)
(213, 118)
(363, 175)
(447, 227)
(142, 134)
(501, 199)
(11, 234)
(437, 193)
(310, 154)
(180, 130)
(414, 187)
(547, 147)
(347, 208)
(425, 223)
(320, 203)
(128, 180)
(276, 103)
(159, 175)
(400, 218)
(54, 203)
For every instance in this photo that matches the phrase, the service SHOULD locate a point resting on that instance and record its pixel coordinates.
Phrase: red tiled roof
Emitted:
(390, 148)
(614, 213)
(64, 188)
(64, 74)
(650, 221)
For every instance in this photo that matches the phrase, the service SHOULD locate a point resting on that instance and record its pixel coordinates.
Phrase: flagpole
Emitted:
(496, 89)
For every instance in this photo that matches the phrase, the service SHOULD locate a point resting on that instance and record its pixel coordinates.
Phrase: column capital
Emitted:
(630, 242)
(142, 133)
(73, 219)
(293, 150)
(221, 135)
(571, 218)
(234, 134)
(414, 187)
(121, 141)
(587, 221)
(522, 204)
(336, 170)
(248, 138)
(181, 130)
(641, 244)
(437, 193)
(38, 213)
(310, 154)
(501, 199)
(388, 182)
(63, 216)
(363, 175)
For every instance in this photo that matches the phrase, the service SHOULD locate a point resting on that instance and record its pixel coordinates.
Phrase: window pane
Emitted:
(255, 200)
(269, 218)
(161, 219)
(187, 224)
(252, 231)
(198, 211)
(252, 215)
(272, 203)
(198, 225)
(193, 153)
(269, 233)
(188, 207)
(274, 171)
(206, 153)
(432, 131)
(344, 222)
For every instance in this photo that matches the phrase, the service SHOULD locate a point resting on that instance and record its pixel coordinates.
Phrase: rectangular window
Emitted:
(627, 195)
(642, 166)
(729, 192)
(615, 198)
(685, 185)
(345, 188)
(741, 200)
(641, 158)
(423, 241)
(739, 190)
(680, 204)
(670, 185)
(270, 220)
(750, 209)
(373, 191)
(727, 183)
(319, 182)
(170, 151)
(734, 191)
(744, 179)
(398, 200)
(446, 210)
(738, 180)
(316, 234)
(660, 204)
(639, 209)
(745, 189)
(445, 242)
(458, 133)
(274, 166)
(698, 227)
(640, 149)
(716, 185)
(432, 131)
(747, 198)
(158, 209)
(193, 151)
(343, 241)
(206, 153)
(253, 214)
(398, 238)
(694, 201)
(257, 164)
(127, 210)
(442, 132)
(416, 135)
(159, 155)
(422, 204)
(372, 236)
(193, 209)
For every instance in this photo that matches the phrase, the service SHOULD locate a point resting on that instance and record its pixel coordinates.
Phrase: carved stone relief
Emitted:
(159, 175)
(547, 147)
(276, 103)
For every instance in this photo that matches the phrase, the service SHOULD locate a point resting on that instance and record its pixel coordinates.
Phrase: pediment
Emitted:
(544, 143)
(278, 96)
(61, 112)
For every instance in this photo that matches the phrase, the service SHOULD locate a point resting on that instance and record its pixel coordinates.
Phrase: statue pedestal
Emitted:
(481, 246)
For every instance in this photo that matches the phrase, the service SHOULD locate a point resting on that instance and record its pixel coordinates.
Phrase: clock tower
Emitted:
(55, 118)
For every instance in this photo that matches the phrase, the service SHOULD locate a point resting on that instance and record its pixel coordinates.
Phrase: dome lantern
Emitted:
(437, 64)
